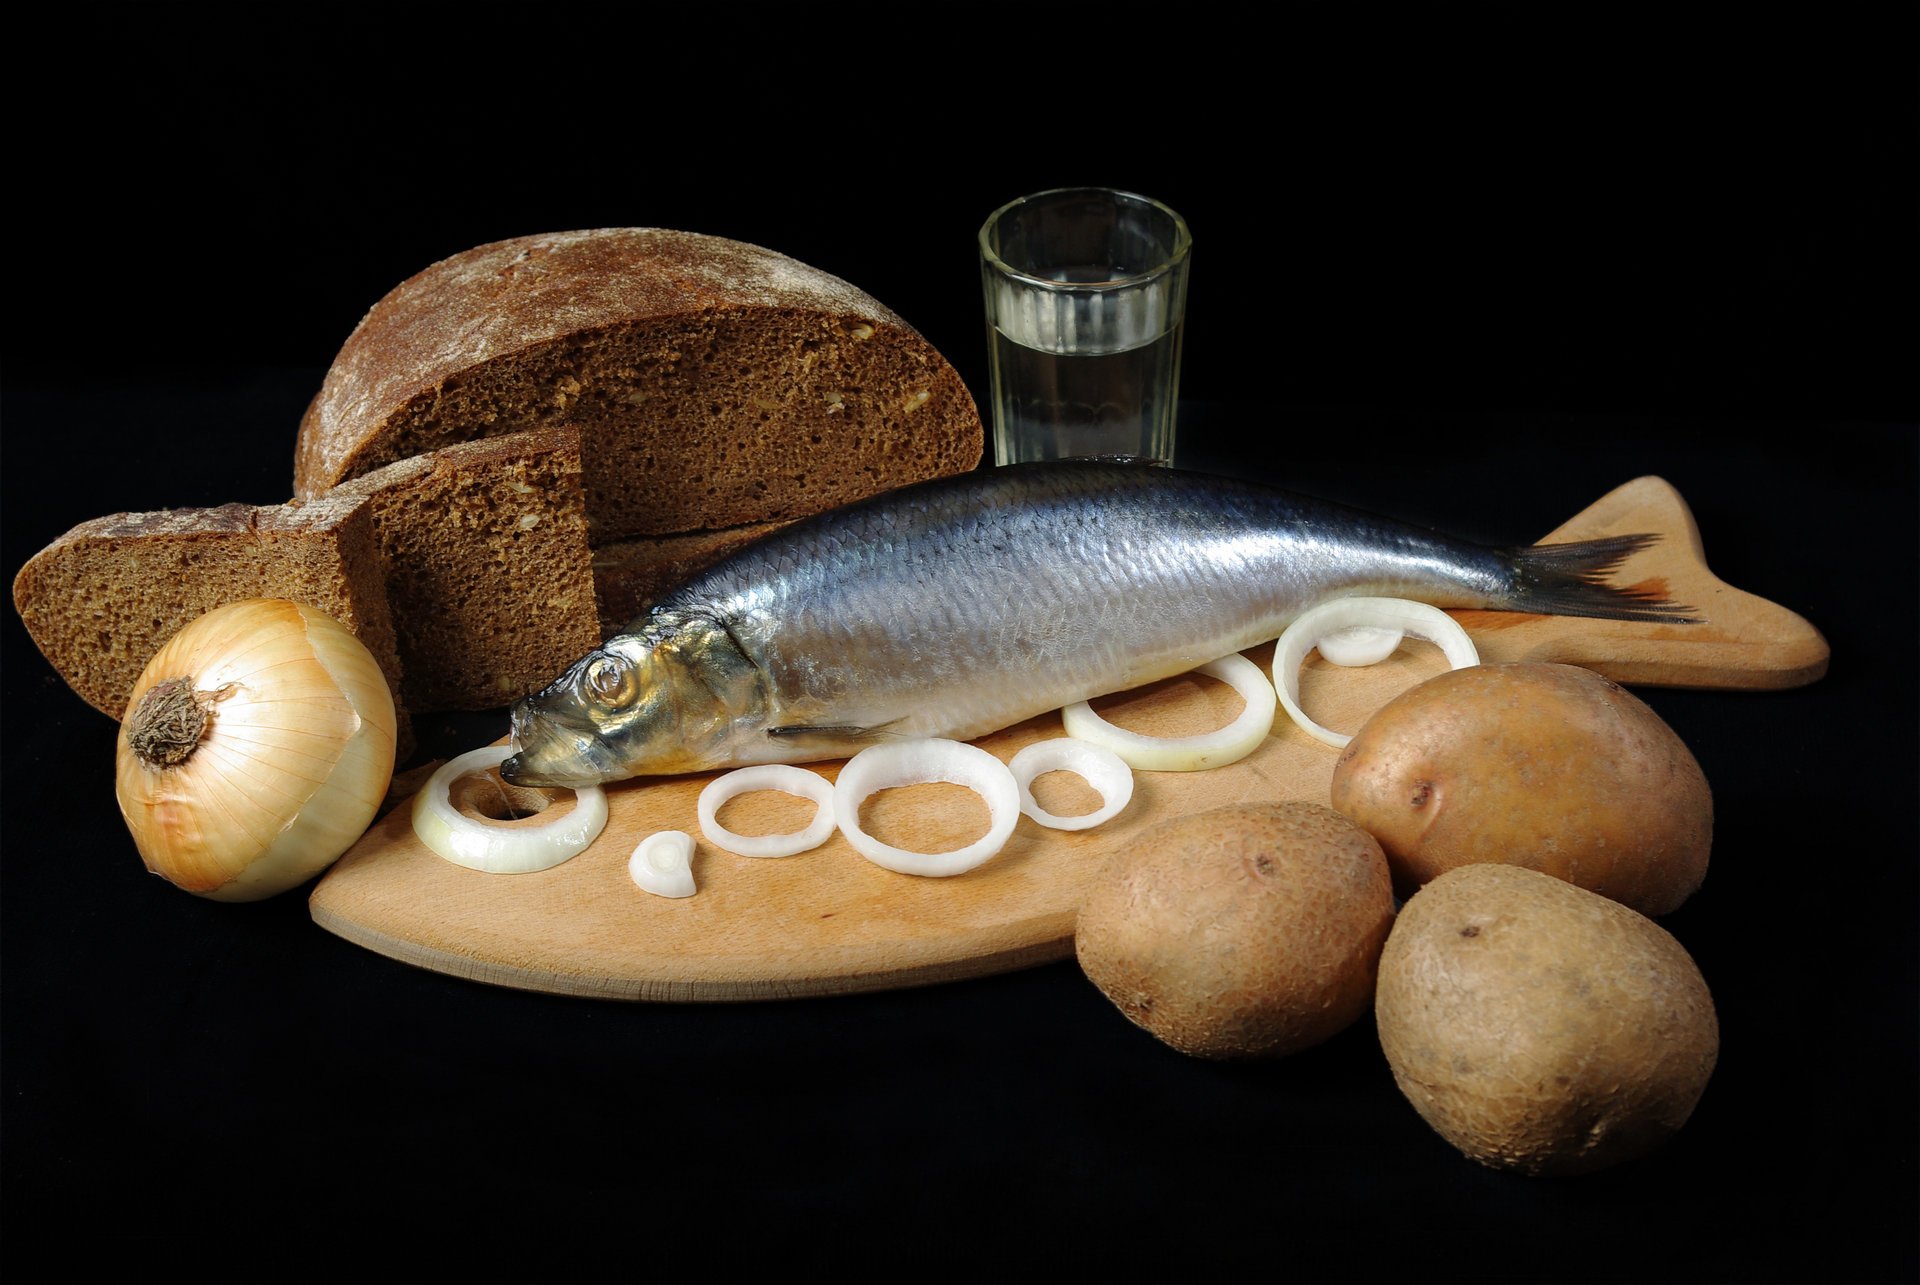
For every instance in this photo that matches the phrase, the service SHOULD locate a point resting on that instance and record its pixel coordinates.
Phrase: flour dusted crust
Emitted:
(715, 384)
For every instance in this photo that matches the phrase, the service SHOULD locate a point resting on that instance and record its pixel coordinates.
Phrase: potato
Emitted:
(1550, 767)
(1541, 1027)
(1247, 931)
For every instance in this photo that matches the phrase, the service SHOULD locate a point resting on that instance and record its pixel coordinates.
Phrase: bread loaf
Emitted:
(715, 384)
(103, 598)
(672, 395)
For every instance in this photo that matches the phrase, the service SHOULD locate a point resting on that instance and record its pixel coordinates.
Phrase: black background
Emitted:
(1471, 265)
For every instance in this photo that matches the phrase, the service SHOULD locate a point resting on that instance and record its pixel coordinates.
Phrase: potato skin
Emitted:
(1540, 1027)
(1249, 931)
(1551, 767)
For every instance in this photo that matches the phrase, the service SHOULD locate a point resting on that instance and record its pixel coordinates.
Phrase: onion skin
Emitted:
(293, 765)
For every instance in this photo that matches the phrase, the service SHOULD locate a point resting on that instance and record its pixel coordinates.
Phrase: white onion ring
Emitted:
(1347, 616)
(898, 763)
(499, 849)
(1229, 744)
(768, 776)
(1360, 646)
(1100, 768)
(662, 863)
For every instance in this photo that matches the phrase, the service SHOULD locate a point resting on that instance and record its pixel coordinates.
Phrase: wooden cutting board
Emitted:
(829, 922)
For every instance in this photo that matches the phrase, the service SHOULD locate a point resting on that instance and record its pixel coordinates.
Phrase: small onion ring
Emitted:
(1344, 615)
(768, 776)
(1100, 768)
(1360, 646)
(897, 763)
(497, 849)
(662, 863)
(1218, 748)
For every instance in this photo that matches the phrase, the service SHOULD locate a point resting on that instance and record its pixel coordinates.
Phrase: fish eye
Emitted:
(610, 681)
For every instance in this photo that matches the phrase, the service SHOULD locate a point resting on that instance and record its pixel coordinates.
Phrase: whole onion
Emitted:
(256, 748)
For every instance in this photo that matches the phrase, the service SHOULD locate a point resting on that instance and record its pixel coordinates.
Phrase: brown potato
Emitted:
(1539, 1027)
(1550, 767)
(1246, 931)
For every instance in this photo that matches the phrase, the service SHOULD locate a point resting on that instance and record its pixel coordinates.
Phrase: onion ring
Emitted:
(1348, 617)
(768, 776)
(662, 863)
(499, 849)
(898, 763)
(1218, 748)
(1360, 646)
(1100, 768)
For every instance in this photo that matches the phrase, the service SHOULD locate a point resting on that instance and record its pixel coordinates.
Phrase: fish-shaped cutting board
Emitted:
(829, 922)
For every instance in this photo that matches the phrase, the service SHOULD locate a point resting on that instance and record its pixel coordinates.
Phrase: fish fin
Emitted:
(1571, 580)
(836, 732)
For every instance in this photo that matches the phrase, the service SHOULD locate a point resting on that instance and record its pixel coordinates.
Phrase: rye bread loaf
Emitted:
(715, 384)
(483, 547)
(103, 598)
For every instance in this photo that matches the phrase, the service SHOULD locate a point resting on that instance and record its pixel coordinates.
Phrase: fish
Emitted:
(956, 607)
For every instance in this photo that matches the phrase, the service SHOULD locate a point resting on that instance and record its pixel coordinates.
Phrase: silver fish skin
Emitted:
(958, 607)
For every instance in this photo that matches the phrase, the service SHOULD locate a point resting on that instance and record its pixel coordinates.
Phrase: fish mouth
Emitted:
(549, 753)
(519, 770)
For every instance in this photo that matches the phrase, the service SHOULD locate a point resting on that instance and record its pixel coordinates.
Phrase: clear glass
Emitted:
(1086, 292)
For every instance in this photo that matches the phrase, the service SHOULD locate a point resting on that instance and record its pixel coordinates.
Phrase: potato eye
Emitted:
(609, 680)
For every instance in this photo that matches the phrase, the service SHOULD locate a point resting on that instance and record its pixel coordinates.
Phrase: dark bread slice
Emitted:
(715, 384)
(466, 573)
(488, 574)
(103, 598)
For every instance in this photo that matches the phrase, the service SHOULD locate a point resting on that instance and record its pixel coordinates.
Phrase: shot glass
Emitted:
(1086, 292)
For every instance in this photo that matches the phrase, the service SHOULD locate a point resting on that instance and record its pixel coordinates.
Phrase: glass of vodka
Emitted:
(1086, 294)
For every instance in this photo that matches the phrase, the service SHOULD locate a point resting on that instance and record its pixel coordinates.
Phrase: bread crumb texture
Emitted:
(102, 599)
(487, 568)
(715, 384)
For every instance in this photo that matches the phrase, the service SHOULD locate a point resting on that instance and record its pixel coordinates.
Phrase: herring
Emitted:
(957, 607)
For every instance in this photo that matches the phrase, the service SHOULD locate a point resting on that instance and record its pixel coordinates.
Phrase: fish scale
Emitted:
(936, 596)
(957, 607)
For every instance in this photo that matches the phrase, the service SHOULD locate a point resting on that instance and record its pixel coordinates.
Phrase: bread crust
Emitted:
(715, 383)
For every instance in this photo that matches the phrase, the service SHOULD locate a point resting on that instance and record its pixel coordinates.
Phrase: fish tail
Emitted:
(1571, 580)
